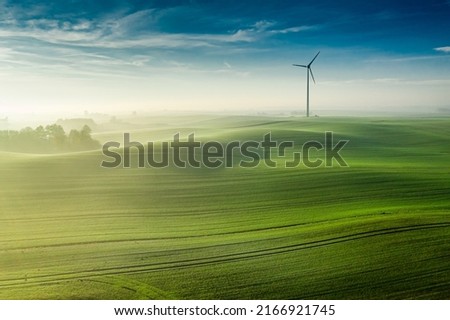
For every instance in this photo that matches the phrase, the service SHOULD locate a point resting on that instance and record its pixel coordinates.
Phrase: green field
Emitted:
(378, 229)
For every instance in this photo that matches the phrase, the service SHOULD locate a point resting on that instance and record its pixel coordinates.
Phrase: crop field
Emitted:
(377, 229)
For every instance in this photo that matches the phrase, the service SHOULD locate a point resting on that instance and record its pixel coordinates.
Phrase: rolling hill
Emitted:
(377, 229)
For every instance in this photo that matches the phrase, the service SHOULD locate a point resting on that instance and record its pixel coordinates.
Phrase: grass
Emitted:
(379, 229)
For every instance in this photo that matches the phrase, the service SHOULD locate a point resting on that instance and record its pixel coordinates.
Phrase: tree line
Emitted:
(48, 139)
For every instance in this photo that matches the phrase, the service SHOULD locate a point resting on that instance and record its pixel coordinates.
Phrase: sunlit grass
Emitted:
(377, 229)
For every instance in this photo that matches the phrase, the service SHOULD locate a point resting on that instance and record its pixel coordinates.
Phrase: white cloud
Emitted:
(405, 58)
(443, 49)
(123, 24)
(140, 60)
(53, 36)
(263, 25)
(265, 28)
(80, 34)
(388, 82)
(5, 52)
(96, 47)
(42, 23)
(293, 29)
(82, 25)
(116, 31)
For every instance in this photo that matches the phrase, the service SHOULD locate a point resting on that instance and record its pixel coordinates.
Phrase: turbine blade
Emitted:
(300, 65)
(312, 75)
(313, 59)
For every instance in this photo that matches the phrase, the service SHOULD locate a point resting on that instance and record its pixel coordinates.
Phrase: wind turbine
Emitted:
(308, 72)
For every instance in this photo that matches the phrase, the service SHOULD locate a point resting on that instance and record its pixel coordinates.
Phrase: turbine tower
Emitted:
(308, 72)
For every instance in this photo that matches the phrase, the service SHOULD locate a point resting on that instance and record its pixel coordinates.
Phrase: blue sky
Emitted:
(222, 55)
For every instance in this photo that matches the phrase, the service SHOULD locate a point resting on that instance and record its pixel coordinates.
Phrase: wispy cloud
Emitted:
(388, 82)
(294, 29)
(121, 40)
(264, 29)
(443, 49)
(121, 32)
(406, 58)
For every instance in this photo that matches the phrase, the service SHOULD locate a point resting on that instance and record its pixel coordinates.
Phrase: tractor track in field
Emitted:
(198, 262)
(83, 243)
(342, 291)
(165, 238)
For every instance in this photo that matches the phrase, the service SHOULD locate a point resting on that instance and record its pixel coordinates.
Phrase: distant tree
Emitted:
(86, 138)
(41, 133)
(52, 138)
(28, 131)
(74, 139)
(57, 136)
(82, 140)
(86, 132)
